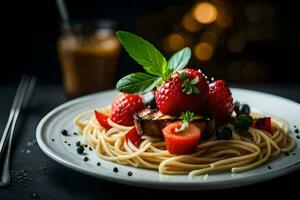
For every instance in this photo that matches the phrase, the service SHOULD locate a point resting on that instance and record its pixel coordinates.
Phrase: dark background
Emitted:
(29, 31)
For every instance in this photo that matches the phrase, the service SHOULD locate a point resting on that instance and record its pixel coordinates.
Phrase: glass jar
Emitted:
(88, 52)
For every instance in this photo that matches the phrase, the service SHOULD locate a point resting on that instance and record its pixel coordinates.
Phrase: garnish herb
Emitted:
(137, 83)
(188, 86)
(180, 59)
(153, 62)
(144, 53)
(186, 118)
(242, 122)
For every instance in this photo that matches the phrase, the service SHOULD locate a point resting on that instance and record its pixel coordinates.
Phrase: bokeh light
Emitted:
(190, 24)
(203, 51)
(205, 13)
(174, 42)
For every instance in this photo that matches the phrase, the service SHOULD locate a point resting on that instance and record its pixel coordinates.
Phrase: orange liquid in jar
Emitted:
(88, 63)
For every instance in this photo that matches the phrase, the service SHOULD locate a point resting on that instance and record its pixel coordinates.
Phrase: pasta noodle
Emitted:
(246, 150)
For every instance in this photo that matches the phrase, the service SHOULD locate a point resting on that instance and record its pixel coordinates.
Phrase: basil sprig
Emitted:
(186, 118)
(179, 59)
(153, 62)
(137, 83)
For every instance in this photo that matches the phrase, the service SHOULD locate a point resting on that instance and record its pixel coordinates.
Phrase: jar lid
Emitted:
(78, 25)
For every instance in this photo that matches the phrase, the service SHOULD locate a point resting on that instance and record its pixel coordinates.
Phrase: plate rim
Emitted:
(156, 184)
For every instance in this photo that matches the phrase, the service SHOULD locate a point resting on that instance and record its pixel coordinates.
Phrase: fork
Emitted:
(21, 99)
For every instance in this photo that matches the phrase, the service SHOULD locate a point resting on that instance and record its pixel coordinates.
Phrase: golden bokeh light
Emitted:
(203, 51)
(174, 42)
(205, 13)
(190, 24)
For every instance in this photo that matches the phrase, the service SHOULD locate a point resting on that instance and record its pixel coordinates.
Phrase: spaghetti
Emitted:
(246, 150)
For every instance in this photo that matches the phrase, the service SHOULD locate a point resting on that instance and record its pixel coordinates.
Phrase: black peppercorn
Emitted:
(116, 169)
(64, 132)
(80, 149)
(286, 153)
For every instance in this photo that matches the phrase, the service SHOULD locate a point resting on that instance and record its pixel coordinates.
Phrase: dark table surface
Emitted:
(37, 176)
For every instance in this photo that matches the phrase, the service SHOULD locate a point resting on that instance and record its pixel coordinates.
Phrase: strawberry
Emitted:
(220, 102)
(133, 136)
(182, 142)
(124, 106)
(102, 119)
(186, 90)
(264, 123)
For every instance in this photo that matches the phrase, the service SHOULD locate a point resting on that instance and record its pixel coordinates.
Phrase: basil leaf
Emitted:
(180, 59)
(138, 83)
(144, 53)
(242, 122)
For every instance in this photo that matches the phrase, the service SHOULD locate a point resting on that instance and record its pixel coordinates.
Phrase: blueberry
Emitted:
(223, 133)
(149, 100)
(244, 109)
(241, 109)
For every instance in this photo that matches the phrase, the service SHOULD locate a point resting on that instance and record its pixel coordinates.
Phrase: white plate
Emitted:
(61, 118)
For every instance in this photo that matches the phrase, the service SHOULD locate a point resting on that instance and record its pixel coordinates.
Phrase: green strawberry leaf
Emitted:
(188, 86)
(138, 83)
(186, 118)
(180, 59)
(144, 53)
